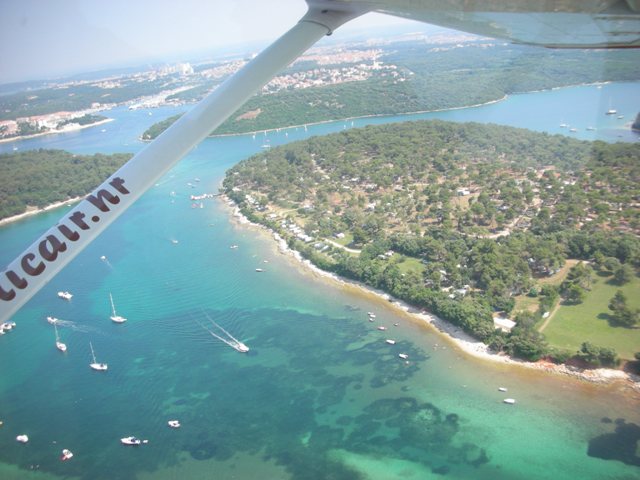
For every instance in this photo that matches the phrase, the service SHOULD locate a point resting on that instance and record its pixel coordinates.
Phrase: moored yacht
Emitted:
(101, 367)
(115, 317)
(130, 441)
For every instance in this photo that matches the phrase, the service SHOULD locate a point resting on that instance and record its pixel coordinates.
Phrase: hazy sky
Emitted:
(46, 38)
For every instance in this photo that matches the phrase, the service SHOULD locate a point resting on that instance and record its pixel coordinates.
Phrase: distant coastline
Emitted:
(347, 119)
(452, 333)
(399, 114)
(72, 127)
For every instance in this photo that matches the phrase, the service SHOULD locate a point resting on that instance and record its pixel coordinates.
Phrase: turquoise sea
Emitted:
(321, 395)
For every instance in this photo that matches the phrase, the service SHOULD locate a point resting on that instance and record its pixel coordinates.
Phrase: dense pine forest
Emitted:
(38, 178)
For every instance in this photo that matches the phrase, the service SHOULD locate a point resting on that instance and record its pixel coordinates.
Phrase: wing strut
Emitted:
(37, 265)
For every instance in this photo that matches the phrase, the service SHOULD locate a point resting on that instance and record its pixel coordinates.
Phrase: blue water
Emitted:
(320, 395)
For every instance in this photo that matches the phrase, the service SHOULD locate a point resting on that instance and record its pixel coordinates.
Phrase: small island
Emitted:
(485, 226)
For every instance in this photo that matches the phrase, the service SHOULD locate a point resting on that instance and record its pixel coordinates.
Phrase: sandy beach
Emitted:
(35, 211)
(452, 333)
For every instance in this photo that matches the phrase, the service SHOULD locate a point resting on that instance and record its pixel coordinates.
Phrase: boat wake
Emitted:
(224, 336)
(76, 327)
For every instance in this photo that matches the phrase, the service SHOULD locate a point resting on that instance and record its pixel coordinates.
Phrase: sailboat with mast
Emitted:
(101, 367)
(59, 345)
(114, 316)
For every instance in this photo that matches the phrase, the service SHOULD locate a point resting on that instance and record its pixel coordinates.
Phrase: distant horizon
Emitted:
(203, 55)
(41, 41)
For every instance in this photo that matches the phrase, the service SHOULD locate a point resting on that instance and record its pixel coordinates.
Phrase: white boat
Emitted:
(573, 130)
(510, 401)
(232, 341)
(22, 438)
(403, 356)
(390, 342)
(130, 441)
(259, 270)
(233, 247)
(59, 345)
(174, 423)
(115, 317)
(53, 320)
(612, 111)
(7, 326)
(66, 455)
(101, 367)
(502, 389)
(382, 328)
(563, 125)
(65, 295)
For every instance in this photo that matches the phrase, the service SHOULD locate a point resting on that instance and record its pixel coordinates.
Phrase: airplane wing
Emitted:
(561, 23)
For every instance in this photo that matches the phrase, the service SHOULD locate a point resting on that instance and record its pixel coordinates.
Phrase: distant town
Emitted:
(34, 112)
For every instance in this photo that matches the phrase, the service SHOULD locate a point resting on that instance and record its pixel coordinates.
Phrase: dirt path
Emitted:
(548, 319)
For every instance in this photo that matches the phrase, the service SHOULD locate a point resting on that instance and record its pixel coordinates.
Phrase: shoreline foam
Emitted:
(452, 333)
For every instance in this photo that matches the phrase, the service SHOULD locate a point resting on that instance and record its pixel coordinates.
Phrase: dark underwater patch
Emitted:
(620, 445)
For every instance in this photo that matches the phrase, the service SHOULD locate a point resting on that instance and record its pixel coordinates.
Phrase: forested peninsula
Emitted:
(37, 178)
(427, 79)
(464, 220)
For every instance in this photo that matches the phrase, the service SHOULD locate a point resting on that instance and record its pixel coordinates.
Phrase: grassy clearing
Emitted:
(572, 325)
(347, 240)
(559, 276)
(410, 264)
(526, 303)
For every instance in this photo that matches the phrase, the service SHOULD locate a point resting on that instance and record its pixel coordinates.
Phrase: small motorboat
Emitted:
(7, 326)
(502, 389)
(382, 328)
(22, 438)
(53, 320)
(66, 455)
(59, 345)
(390, 342)
(403, 356)
(65, 295)
(510, 401)
(130, 441)
(174, 423)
